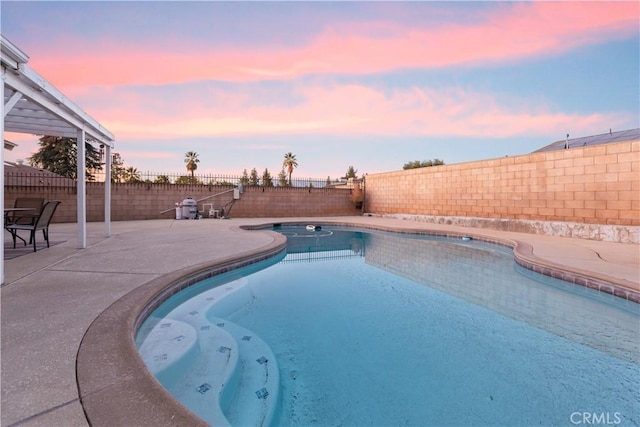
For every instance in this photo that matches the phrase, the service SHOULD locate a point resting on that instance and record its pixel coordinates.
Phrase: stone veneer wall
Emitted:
(146, 201)
(591, 192)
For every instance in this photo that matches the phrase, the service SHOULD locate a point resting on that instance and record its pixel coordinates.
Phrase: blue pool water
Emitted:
(371, 328)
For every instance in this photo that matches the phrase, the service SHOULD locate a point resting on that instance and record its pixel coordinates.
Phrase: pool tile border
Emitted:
(588, 282)
(523, 256)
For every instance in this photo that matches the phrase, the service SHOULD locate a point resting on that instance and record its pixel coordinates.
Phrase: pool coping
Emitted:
(114, 385)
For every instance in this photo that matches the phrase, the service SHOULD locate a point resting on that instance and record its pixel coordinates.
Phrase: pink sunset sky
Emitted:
(366, 84)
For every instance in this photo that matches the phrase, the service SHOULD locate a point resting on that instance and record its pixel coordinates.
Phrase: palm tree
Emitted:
(131, 175)
(191, 159)
(289, 163)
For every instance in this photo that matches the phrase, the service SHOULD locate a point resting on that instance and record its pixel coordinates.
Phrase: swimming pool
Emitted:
(359, 327)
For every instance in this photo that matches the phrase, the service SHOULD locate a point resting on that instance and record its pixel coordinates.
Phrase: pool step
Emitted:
(233, 377)
(211, 374)
(256, 398)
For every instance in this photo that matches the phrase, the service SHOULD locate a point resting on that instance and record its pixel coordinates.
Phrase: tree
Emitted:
(415, 164)
(282, 179)
(422, 164)
(244, 179)
(191, 160)
(289, 163)
(186, 179)
(162, 179)
(266, 178)
(117, 168)
(351, 173)
(253, 178)
(131, 175)
(59, 155)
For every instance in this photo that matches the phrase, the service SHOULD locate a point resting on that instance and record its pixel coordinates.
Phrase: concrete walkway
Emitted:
(51, 298)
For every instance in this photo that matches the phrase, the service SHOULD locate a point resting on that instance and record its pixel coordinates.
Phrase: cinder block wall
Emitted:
(589, 192)
(257, 202)
(147, 201)
(66, 211)
(598, 184)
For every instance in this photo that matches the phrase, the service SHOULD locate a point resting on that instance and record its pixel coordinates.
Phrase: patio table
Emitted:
(27, 211)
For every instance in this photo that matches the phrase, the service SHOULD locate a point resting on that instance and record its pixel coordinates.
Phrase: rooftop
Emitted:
(605, 138)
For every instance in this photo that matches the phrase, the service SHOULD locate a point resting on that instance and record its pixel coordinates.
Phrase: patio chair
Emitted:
(26, 217)
(41, 223)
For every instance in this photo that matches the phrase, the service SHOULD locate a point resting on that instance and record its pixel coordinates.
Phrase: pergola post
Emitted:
(107, 191)
(82, 190)
(34, 106)
(2, 175)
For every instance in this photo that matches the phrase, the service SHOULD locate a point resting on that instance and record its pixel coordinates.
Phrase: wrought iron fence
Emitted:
(47, 179)
(128, 176)
(37, 179)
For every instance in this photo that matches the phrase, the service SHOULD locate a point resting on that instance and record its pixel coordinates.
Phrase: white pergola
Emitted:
(33, 105)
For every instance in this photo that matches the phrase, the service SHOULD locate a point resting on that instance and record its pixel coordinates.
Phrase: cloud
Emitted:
(151, 154)
(352, 109)
(27, 144)
(503, 34)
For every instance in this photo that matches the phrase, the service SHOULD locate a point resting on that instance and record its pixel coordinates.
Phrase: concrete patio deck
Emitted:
(52, 297)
